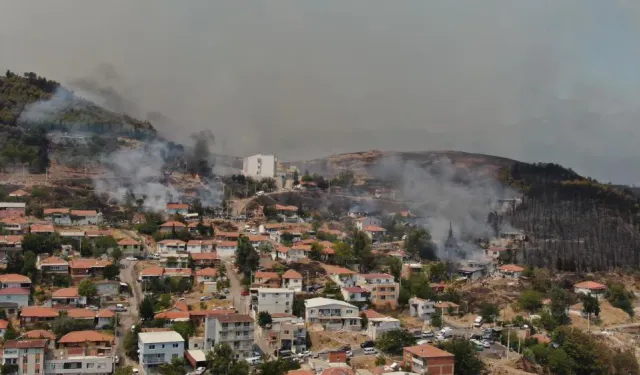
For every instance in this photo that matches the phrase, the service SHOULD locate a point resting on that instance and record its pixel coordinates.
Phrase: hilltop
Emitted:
(30, 100)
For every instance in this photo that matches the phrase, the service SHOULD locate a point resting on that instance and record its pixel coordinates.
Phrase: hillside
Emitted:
(33, 101)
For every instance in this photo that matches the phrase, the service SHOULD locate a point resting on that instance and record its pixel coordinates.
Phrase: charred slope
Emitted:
(576, 223)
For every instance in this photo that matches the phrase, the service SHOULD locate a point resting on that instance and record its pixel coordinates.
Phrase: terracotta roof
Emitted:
(84, 336)
(445, 305)
(328, 250)
(592, 285)
(105, 313)
(511, 268)
(14, 220)
(286, 208)
(326, 243)
(256, 238)
(300, 372)
(282, 249)
(372, 314)
(25, 344)
(14, 291)
(337, 371)
(152, 271)
(83, 263)
(375, 276)
(178, 272)
(354, 289)
(4, 324)
(227, 243)
(14, 278)
(39, 334)
(66, 293)
(53, 261)
(204, 256)
(11, 239)
(81, 313)
(84, 212)
(42, 228)
(228, 234)
(235, 318)
(18, 193)
(200, 242)
(374, 228)
(127, 242)
(49, 211)
(172, 242)
(170, 224)
(427, 351)
(291, 274)
(207, 272)
(542, 338)
(308, 241)
(265, 275)
(172, 315)
(302, 247)
(38, 312)
(335, 270)
(181, 305)
(177, 206)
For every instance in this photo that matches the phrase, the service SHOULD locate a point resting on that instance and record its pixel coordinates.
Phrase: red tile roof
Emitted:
(234, 318)
(177, 206)
(14, 278)
(86, 263)
(511, 268)
(227, 243)
(170, 224)
(286, 208)
(228, 234)
(207, 272)
(39, 334)
(49, 211)
(84, 336)
(81, 313)
(368, 276)
(591, 285)
(11, 240)
(427, 351)
(127, 242)
(4, 324)
(14, 291)
(265, 275)
(84, 213)
(256, 238)
(374, 228)
(18, 193)
(105, 313)
(372, 314)
(152, 271)
(54, 261)
(181, 305)
(200, 242)
(25, 344)
(291, 274)
(66, 293)
(38, 312)
(204, 256)
(212, 312)
(172, 315)
(42, 228)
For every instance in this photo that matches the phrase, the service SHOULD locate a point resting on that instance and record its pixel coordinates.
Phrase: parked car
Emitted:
(205, 298)
(200, 370)
(349, 354)
(486, 343)
(133, 259)
(367, 344)
(369, 351)
(221, 296)
(478, 321)
(135, 371)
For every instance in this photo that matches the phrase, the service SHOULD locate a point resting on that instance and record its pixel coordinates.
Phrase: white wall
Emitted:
(259, 166)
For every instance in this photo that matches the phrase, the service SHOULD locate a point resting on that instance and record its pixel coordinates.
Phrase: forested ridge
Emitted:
(574, 223)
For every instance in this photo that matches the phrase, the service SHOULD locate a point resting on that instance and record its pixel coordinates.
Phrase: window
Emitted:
(175, 345)
(91, 365)
(162, 346)
(152, 346)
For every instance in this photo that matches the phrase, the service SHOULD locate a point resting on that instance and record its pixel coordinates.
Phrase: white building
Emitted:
(226, 249)
(200, 246)
(272, 300)
(422, 308)
(86, 217)
(171, 246)
(26, 354)
(292, 280)
(354, 294)
(379, 324)
(236, 330)
(260, 166)
(332, 314)
(14, 297)
(343, 277)
(156, 348)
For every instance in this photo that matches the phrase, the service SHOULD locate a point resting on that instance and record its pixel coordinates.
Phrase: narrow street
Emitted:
(131, 316)
(240, 302)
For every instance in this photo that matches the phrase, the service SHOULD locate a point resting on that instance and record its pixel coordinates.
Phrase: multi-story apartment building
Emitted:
(156, 348)
(292, 333)
(422, 308)
(271, 300)
(82, 352)
(259, 166)
(382, 288)
(342, 276)
(379, 324)
(27, 355)
(332, 314)
(427, 359)
(236, 330)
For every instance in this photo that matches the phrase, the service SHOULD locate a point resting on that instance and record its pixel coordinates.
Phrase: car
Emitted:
(244, 293)
(478, 321)
(200, 370)
(226, 291)
(181, 299)
(94, 308)
(132, 259)
(486, 344)
(133, 328)
(345, 348)
(369, 351)
(349, 353)
(427, 334)
(116, 360)
(205, 298)
(135, 371)
(367, 344)
(221, 296)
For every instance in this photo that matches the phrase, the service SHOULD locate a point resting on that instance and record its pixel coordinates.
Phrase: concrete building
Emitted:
(130, 247)
(14, 280)
(260, 166)
(82, 352)
(171, 246)
(382, 288)
(156, 348)
(271, 300)
(332, 314)
(12, 209)
(226, 249)
(200, 246)
(379, 324)
(292, 280)
(236, 330)
(427, 359)
(177, 208)
(422, 308)
(12, 298)
(86, 217)
(53, 265)
(354, 294)
(590, 288)
(342, 276)
(28, 355)
(287, 332)
(511, 270)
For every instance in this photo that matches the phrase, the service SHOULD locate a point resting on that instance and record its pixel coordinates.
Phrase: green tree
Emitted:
(559, 305)
(530, 300)
(560, 363)
(489, 312)
(590, 305)
(364, 321)
(395, 268)
(131, 343)
(466, 357)
(176, 367)
(247, 258)
(332, 290)
(362, 252)
(344, 254)
(393, 342)
(127, 370)
(146, 309)
(185, 329)
(87, 289)
(41, 243)
(264, 318)
(316, 251)
(111, 271)
(277, 367)
(221, 361)
(436, 321)
(29, 265)
(10, 333)
(116, 255)
(418, 243)
(620, 298)
(296, 180)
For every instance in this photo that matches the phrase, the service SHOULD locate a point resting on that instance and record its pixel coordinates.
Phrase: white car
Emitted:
(486, 344)
(349, 354)
(200, 370)
(133, 259)
(136, 371)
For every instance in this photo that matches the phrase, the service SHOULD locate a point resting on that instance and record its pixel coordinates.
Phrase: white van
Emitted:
(478, 321)
(368, 351)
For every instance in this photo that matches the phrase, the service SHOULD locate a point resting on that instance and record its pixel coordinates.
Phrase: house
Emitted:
(292, 280)
(150, 273)
(104, 318)
(379, 324)
(260, 166)
(206, 275)
(171, 226)
(171, 246)
(178, 272)
(382, 288)
(237, 330)
(267, 279)
(342, 276)
(511, 270)
(204, 260)
(200, 246)
(15, 224)
(130, 247)
(291, 254)
(375, 232)
(60, 216)
(13, 298)
(10, 245)
(82, 352)
(331, 314)
(257, 240)
(82, 314)
(590, 288)
(423, 359)
(471, 273)
(156, 348)
(27, 355)
(494, 252)
(287, 333)
(35, 314)
(363, 222)
(192, 227)
(18, 194)
(42, 229)
(422, 308)
(177, 209)
(53, 266)
(226, 249)
(354, 294)
(178, 260)
(285, 210)
(227, 236)
(88, 267)
(271, 300)
(12, 209)
(68, 296)
(86, 217)
(446, 307)
(39, 334)
(14, 280)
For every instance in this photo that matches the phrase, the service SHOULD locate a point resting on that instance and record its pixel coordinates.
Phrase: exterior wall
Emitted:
(226, 252)
(421, 308)
(130, 250)
(28, 360)
(344, 280)
(273, 302)
(63, 269)
(353, 297)
(80, 365)
(435, 366)
(260, 166)
(8, 212)
(334, 317)
(377, 328)
(21, 300)
(153, 355)
(589, 292)
(60, 219)
(239, 336)
(87, 220)
(293, 284)
(384, 294)
(15, 285)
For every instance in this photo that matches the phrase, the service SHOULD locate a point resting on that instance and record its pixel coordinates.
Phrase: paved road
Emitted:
(240, 302)
(127, 319)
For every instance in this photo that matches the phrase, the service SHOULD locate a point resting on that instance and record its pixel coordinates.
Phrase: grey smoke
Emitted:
(542, 80)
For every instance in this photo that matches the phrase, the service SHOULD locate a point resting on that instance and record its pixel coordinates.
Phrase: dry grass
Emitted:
(609, 316)
(321, 340)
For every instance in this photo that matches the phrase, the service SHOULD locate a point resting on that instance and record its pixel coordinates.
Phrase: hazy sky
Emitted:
(533, 80)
